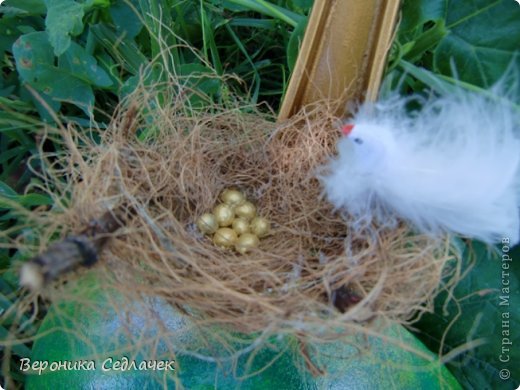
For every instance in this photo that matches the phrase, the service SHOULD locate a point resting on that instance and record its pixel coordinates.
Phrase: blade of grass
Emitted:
(256, 75)
(427, 40)
(123, 50)
(272, 10)
(267, 24)
(157, 18)
(208, 39)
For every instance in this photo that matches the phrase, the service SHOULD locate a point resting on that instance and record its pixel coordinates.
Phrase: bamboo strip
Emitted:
(343, 53)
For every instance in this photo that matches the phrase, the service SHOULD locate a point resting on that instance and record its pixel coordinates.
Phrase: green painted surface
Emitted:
(89, 329)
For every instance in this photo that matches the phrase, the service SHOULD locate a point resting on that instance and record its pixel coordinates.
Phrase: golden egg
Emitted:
(233, 197)
(225, 237)
(240, 225)
(260, 226)
(246, 210)
(246, 242)
(224, 214)
(207, 223)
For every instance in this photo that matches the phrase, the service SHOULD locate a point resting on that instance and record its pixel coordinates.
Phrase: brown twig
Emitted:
(82, 249)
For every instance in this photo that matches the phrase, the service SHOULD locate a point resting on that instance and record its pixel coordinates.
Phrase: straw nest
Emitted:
(312, 275)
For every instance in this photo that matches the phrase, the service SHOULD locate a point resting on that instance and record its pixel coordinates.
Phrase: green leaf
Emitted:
(64, 87)
(126, 21)
(33, 200)
(8, 195)
(23, 7)
(64, 19)
(8, 33)
(7, 192)
(31, 52)
(426, 41)
(483, 39)
(267, 24)
(420, 31)
(44, 113)
(35, 64)
(485, 304)
(270, 9)
(88, 5)
(83, 66)
(417, 13)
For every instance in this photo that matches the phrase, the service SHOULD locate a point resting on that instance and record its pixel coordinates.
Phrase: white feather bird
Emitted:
(454, 166)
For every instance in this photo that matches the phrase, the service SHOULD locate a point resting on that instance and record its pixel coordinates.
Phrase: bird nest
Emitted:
(161, 164)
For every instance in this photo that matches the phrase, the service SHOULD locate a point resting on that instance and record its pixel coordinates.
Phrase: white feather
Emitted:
(452, 167)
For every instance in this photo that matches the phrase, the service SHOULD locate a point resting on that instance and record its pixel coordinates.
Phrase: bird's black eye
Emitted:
(358, 141)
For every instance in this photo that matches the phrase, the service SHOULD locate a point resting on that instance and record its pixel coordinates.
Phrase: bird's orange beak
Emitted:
(347, 129)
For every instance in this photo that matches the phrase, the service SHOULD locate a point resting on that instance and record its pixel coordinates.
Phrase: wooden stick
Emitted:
(82, 249)
(343, 53)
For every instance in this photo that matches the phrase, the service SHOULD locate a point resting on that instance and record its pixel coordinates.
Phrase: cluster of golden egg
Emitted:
(234, 223)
